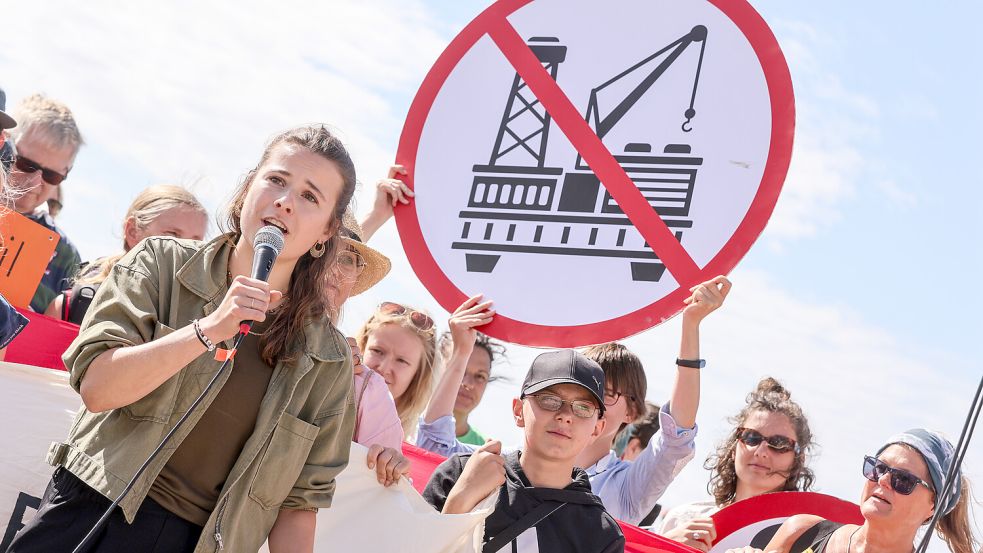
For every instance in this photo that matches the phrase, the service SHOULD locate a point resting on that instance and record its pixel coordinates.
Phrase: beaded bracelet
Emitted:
(201, 336)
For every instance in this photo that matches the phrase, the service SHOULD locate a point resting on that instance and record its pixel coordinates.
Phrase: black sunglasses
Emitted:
(49, 176)
(752, 438)
(902, 481)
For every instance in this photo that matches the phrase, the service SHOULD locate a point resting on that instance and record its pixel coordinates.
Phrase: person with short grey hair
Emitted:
(46, 141)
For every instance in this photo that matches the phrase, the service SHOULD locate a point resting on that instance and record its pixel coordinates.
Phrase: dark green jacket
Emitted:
(303, 429)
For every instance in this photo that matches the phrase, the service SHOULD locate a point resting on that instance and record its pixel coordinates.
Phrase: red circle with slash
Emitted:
(493, 23)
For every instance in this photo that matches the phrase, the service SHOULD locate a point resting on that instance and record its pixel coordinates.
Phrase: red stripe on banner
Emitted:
(676, 259)
(42, 341)
(423, 463)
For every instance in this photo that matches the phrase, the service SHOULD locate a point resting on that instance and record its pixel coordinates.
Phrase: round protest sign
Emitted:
(584, 164)
(754, 521)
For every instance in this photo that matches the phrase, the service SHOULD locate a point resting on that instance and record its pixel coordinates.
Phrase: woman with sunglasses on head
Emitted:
(900, 496)
(160, 210)
(400, 343)
(766, 452)
(259, 455)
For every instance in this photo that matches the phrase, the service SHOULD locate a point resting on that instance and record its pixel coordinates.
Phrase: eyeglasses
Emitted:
(349, 265)
(419, 319)
(902, 481)
(611, 397)
(49, 176)
(582, 408)
(752, 438)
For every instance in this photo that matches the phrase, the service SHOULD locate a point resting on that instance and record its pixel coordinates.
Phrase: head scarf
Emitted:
(939, 454)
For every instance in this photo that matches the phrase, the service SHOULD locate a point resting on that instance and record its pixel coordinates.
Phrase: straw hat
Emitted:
(376, 264)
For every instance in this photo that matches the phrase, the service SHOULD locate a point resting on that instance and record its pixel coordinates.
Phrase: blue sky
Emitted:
(860, 295)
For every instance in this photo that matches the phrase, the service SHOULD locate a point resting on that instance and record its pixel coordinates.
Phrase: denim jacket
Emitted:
(303, 429)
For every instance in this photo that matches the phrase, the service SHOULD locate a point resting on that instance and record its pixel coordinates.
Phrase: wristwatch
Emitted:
(691, 363)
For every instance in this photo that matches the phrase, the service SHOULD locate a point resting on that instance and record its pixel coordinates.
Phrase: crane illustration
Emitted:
(519, 205)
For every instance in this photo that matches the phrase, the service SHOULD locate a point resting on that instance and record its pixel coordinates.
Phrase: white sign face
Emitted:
(545, 123)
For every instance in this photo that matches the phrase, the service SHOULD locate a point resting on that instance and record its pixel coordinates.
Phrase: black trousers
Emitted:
(70, 508)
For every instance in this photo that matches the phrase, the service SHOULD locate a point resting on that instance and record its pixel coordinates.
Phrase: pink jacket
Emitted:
(377, 421)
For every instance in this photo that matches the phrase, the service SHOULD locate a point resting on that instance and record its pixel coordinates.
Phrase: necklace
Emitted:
(849, 545)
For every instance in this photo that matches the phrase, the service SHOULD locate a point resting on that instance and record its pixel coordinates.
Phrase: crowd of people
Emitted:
(259, 455)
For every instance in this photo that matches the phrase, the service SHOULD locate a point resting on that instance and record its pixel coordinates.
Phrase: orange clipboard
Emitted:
(26, 248)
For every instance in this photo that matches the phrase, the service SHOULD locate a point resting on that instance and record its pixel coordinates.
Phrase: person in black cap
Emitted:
(6, 146)
(545, 504)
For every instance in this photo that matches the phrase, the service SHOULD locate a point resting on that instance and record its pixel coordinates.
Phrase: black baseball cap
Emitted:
(6, 121)
(565, 366)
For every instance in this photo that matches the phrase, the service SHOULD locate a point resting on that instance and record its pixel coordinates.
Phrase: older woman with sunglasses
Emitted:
(900, 495)
(766, 452)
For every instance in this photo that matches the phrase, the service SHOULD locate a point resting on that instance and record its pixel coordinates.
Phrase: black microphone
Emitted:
(266, 247)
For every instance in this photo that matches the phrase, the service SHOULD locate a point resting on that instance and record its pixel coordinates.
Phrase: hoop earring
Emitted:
(317, 250)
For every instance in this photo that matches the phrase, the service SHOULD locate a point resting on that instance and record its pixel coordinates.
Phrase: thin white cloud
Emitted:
(834, 124)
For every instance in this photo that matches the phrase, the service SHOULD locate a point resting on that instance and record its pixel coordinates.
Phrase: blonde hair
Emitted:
(50, 121)
(955, 528)
(147, 206)
(414, 400)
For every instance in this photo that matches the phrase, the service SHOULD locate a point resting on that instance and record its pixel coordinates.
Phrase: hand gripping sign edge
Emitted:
(493, 22)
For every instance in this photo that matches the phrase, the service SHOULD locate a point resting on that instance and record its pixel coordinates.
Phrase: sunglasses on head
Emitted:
(902, 481)
(752, 438)
(418, 318)
(49, 176)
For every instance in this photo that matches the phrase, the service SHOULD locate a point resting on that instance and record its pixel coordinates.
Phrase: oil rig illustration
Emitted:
(526, 206)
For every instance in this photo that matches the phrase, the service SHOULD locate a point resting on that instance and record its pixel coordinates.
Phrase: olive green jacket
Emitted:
(303, 429)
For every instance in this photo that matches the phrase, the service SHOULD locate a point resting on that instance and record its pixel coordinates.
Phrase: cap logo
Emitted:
(596, 382)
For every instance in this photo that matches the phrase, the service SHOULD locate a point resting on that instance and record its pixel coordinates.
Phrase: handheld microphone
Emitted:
(266, 247)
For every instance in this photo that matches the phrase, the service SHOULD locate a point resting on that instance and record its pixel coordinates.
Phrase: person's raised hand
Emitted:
(698, 533)
(390, 465)
(705, 298)
(392, 190)
(484, 471)
(463, 322)
(247, 299)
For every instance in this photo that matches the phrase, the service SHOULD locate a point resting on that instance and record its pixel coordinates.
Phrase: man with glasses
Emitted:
(46, 141)
(545, 504)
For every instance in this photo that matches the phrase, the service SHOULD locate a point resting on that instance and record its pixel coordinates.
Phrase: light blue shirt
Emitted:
(628, 489)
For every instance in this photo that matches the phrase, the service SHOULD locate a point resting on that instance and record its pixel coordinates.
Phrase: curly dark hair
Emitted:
(770, 396)
(495, 350)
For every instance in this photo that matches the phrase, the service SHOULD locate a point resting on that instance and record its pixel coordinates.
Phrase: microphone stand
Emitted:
(942, 496)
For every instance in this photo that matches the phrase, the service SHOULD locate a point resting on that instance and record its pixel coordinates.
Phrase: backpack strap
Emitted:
(82, 295)
(532, 518)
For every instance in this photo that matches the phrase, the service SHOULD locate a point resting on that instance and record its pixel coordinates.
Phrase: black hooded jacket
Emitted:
(571, 520)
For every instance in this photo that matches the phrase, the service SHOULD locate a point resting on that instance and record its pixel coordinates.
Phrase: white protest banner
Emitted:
(583, 164)
(37, 407)
(365, 516)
